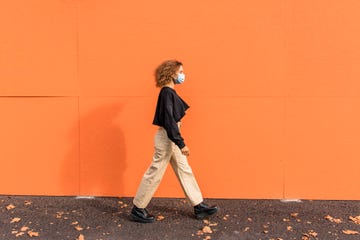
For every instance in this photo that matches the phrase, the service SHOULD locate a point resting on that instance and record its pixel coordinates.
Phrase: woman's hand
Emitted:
(185, 151)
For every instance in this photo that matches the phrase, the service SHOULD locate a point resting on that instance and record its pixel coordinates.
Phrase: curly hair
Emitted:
(165, 72)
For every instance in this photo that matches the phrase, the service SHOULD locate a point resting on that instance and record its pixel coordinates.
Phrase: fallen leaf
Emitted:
(160, 217)
(19, 234)
(289, 228)
(75, 223)
(266, 231)
(33, 234)
(79, 228)
(59, 214)
(27, 203)
(305, 238)
(286, 220)
(212, 224)
(206, 221)
(123, 206)
(246, 229)
(294, 214)
(199, 233)
(207, 238)
(356, 219)
(10, 206)
(81, 237)
(249, 219)
(24, 229)
(207, 229)
(331, 219)
(15, 220)
(350, 232)
(312, 233)
(14, 232)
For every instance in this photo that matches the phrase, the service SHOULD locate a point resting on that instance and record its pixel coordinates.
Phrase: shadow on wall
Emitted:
(101, 152)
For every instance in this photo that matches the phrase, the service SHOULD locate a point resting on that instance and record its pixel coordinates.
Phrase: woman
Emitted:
(169, 147)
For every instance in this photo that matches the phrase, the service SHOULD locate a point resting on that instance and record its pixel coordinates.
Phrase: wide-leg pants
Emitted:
(166, 151)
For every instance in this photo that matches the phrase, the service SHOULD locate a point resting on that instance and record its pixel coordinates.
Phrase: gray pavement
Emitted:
(33, 217)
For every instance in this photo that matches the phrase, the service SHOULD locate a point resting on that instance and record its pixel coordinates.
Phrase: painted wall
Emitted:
(273, 86)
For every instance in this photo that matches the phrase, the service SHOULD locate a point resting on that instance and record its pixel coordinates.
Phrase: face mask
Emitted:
(180, 78)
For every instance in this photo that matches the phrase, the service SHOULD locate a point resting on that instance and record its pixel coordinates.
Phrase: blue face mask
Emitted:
(180, 78)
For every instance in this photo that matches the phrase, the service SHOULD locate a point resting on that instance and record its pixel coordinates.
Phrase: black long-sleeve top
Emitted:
(170, 109)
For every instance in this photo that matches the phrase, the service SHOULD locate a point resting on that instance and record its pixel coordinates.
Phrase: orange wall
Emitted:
(273, 86)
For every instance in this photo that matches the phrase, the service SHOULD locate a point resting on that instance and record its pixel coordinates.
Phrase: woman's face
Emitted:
(180, 70)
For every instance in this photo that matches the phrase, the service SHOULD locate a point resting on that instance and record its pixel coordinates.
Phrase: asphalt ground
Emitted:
(52, 218)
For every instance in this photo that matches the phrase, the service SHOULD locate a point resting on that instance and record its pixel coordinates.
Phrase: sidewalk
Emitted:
(53, 218)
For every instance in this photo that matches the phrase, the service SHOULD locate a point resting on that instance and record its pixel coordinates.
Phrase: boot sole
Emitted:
(140, 220)
(201, 216)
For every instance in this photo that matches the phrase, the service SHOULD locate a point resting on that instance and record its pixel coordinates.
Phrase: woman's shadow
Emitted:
(100, 150)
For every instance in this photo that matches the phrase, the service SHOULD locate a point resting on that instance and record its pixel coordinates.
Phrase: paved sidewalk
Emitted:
(53, 218)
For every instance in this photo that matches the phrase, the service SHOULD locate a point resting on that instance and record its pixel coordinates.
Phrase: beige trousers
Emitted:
(166, 151)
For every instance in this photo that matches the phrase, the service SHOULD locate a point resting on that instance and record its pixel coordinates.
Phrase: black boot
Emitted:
(202, 210)
(141, 215)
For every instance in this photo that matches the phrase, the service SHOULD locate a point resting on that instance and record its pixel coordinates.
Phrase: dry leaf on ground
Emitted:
(27, 203)
(81, 237)
(350, 232)
(24, 229)
(33, 234)
(207, 238)
(294, 214)
(15, 220)
(199, 233)
(207, 229)
(312, 233)
(226, 217)
(355, 220)
(160, 217)
(124, 205)
(331, 219)
(19, 234)
(10, 206)
(79, 228)
(59, 214)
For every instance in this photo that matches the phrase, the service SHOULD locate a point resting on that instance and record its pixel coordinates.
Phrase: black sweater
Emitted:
(170, 109)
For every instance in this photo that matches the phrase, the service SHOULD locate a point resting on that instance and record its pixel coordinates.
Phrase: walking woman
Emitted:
(169, 147)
